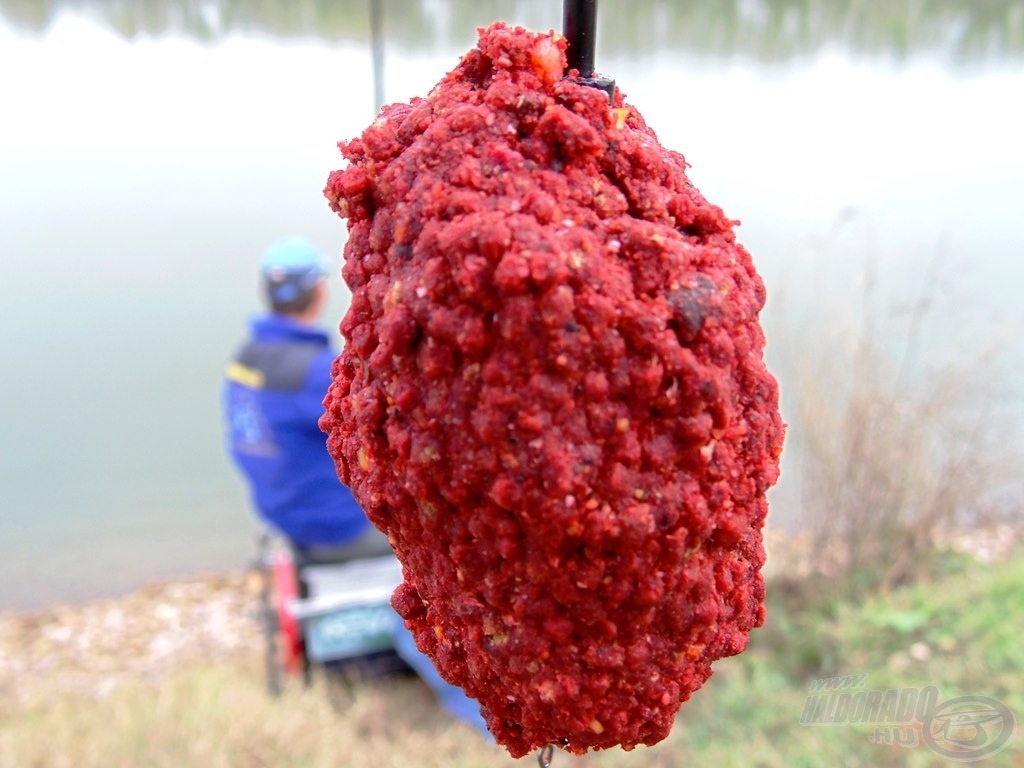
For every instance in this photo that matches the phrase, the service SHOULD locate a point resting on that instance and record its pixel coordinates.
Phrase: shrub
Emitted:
(896, 451)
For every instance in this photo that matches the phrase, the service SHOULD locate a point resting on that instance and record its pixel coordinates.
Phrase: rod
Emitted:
(579, 25)
(377, 49)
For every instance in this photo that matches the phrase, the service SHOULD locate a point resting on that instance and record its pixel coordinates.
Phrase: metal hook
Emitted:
(545, 755)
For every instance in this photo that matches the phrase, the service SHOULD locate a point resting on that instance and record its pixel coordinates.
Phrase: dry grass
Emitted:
(897, 451)
(221, 717)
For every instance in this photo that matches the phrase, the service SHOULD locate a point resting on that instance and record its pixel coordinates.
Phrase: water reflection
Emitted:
(960, 31)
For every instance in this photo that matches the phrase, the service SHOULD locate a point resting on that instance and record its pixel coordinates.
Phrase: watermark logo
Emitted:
(969, 728)
(963, 729)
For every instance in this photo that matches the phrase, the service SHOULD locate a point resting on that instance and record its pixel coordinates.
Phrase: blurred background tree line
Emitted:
(767, 30)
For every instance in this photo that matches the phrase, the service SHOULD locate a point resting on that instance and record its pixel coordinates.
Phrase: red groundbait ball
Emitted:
(553, 398)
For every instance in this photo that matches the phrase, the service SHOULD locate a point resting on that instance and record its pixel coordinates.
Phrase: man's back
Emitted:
(273, 398)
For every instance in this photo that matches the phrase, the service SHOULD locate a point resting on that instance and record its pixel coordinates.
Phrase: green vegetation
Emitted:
(959, 632)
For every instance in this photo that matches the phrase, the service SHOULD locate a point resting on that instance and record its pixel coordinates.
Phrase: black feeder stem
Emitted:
(579, 26)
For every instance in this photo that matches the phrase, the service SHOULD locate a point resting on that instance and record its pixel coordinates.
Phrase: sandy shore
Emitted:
(92, 648)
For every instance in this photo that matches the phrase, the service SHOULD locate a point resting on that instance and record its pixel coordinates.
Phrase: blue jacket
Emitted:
(273, 397)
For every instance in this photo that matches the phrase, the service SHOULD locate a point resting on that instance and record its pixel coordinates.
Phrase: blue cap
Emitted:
(290, 268)
(294, 256)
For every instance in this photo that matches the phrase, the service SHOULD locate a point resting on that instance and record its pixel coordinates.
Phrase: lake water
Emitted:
(149, 151)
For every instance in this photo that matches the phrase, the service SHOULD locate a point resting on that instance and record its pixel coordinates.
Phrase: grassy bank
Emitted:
(960, 632)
